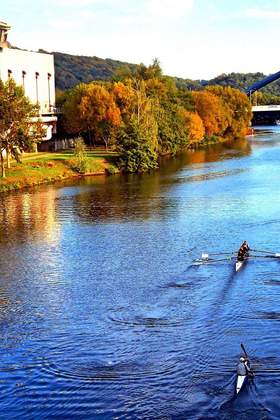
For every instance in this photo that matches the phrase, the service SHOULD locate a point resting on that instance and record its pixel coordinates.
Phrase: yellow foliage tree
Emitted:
(237, 109)
(124, 97)
(195, 127)
(210, 109)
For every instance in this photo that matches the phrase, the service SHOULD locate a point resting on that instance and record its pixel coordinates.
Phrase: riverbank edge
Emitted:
(59, 167)
(46, 168)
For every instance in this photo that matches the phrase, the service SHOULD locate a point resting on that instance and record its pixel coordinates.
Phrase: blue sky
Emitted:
(198, 39)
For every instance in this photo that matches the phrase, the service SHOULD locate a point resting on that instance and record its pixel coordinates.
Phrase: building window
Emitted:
(37, 93)
(23, 77)
(49, 90)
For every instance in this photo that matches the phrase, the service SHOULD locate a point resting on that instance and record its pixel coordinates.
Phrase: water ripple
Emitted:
(111, 371)
(126, 317)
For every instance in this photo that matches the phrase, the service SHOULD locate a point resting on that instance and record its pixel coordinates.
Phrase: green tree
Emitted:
(137, 152)
(19, 124)
(173, 133)
(80, 156)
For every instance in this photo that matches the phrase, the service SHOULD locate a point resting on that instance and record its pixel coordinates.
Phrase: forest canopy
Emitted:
(71, 70)
(144, 115)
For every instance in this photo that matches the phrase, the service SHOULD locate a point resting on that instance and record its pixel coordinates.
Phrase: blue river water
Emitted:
(103, 314)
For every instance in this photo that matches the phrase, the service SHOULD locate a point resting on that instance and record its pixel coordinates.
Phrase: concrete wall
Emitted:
(14, 62)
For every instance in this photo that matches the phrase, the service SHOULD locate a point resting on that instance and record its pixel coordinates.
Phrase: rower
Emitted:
(243, 250)
(243, 367)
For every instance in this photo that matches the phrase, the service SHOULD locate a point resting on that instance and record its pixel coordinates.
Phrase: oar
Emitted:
(210, 261)
(222, 259)
(224, 253)
(262, 250)
(277, 255)
(243, 348)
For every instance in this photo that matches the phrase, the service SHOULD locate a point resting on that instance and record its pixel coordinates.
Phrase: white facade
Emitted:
(35, 73)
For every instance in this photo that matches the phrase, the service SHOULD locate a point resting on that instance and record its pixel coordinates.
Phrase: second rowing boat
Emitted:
(240, 381)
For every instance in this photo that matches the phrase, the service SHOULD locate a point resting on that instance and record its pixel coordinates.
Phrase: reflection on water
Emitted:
(35, 211)
(102, 314)
(27, 213)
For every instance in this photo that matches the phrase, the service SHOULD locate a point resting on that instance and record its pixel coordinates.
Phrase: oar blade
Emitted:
(243, 349)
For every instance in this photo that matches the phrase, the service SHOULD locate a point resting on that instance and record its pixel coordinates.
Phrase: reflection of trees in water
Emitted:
(128, 197)
(28, 214)
(212, 153)
(133, 197)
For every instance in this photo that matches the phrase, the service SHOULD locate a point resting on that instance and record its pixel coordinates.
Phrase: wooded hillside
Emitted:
(74, 69)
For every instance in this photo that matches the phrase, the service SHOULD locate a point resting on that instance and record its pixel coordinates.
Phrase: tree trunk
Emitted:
(8, 157)
(3, 172)
(91, 141)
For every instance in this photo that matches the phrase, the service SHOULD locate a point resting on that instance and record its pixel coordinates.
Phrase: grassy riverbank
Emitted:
(41, 168)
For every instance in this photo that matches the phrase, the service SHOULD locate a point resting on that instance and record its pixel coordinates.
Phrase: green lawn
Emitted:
(44, 167)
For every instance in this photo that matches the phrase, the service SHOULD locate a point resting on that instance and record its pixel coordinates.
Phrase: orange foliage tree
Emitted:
(195, 126)
(124, 97)
(91, 109)
(237, 109)
(210, 109)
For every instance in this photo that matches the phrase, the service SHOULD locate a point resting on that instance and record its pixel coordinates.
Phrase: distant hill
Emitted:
(73, 69)
(236, 80)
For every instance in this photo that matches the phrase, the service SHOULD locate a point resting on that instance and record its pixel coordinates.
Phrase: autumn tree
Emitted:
(195, 127)
(210, 109)
(90, 109)
(19, 124)
(125, 97)
(237, 109)
(149, 115)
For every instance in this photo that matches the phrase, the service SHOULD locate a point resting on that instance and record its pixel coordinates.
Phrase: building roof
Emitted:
(4, 25)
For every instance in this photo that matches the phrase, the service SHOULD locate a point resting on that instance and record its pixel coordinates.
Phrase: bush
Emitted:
(81, 163)
(111, 170)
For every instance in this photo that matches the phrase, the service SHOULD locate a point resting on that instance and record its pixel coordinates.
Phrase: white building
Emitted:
(35, 73)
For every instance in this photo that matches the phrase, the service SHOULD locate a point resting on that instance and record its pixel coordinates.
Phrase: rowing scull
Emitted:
(241, 379)
(207, 258)
(243, 371)
(240, 263)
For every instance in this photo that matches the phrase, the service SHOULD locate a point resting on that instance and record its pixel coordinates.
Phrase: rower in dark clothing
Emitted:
(243, 251)
(243, 367)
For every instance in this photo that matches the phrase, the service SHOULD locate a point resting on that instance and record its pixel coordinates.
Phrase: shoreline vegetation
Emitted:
(143, 115)
(137, 117)
(44, 168)
(39, 168)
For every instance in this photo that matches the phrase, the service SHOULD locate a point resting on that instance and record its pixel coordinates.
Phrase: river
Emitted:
(104, 316)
